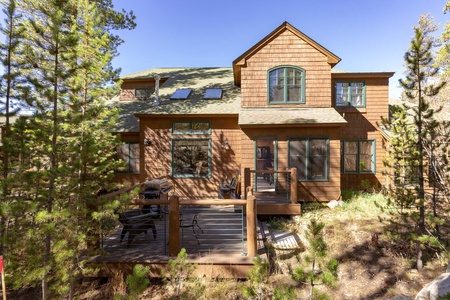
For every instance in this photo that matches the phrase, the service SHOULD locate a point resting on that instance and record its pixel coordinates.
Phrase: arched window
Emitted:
(286, 85)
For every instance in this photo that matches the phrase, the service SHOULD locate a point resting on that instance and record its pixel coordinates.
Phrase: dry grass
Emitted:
(370, 267)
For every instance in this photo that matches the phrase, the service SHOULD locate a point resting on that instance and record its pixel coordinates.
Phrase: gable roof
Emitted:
(241, 60)
(197, 79)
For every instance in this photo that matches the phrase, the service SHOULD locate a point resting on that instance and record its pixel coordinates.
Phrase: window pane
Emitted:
(190, 157)
(357, 93)
(142, 93)
(294, 93)
(350, 156)
(297, 159)
(200, 127)
(213, 93)
(317, 158)
(181, 94)
(366, 156)
(134, 158)
(129, 155)
(342, 94)
(181, 126)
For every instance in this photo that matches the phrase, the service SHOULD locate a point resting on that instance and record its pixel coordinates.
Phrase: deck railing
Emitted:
(291, 184)
(220, 225)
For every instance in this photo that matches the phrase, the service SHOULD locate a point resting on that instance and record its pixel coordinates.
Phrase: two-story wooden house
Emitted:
(280, 105)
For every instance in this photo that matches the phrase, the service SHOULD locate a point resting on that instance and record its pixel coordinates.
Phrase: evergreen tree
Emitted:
(10, 81)
(418, 88)
(66, 146)
(318, 269)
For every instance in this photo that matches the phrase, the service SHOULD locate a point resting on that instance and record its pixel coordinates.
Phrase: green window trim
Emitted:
(286, 85)
(311, 157)
(358, 157)
(191, 158)
(191, 127)
(129, 152)
(143, 92)
(350, 93)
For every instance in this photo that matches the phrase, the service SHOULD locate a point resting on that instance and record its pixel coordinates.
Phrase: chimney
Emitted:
(156, 101)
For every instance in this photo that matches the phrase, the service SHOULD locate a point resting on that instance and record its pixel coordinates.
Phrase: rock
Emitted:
(401, 297)
(448, 269)
(334, 203)
(438, 287)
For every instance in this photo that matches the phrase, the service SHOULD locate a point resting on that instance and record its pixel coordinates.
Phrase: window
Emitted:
(358, 156)
(181, 94)
(191, 157)
(191, 127)
(351, 94)
(215, 93)
(310, 156)
(129, 154)
(143, 92)
(286, 85)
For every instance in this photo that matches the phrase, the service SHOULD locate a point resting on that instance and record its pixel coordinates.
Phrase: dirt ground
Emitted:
(371, 266)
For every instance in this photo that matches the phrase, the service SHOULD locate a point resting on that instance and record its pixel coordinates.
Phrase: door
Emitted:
(265, 160)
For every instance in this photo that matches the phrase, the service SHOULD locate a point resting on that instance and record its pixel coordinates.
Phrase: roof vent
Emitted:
(156, 101)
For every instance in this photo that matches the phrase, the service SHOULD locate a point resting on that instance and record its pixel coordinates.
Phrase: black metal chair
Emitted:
(228, 189)
(134, 223)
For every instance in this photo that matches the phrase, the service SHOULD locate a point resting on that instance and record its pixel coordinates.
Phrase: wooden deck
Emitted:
(218, 246)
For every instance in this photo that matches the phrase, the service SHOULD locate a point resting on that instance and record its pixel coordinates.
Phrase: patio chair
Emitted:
(228, 189)
(193, 224)
(134, 223)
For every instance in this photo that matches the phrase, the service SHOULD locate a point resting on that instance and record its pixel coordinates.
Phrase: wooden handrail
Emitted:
(293, 189)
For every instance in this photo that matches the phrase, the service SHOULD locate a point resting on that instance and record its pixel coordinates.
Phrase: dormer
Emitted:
(285, 69)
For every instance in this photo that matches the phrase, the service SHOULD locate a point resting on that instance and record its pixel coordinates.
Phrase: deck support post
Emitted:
(174, 226)
(247, 180)
(251, 225)
(293, 187)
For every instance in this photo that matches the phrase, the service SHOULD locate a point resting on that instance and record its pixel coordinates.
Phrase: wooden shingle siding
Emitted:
(158, 155)
(363, 124)
(317, 190)
(286, 50)
(127, 89)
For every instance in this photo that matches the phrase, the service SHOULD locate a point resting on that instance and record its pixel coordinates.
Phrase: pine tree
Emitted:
(10, 81)
(417, 86)
(319, 270)
(66, 146)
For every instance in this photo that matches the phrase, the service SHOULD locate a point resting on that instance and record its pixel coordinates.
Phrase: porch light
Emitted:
(225, 145)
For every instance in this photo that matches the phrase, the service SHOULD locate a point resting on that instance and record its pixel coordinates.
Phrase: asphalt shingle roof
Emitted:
(197, 79)
(289, 116)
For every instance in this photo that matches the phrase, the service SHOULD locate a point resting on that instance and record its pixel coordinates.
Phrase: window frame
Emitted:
(358, 157)
(349, 92)
(212, 91)
(326, 167)
(148, 92)
(128, 163)
(185, 175)
(191, 130)
(302, 99)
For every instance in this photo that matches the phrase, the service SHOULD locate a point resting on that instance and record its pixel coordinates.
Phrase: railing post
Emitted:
(294, 183)
(246, 180)
(174, 226)
(251, 225)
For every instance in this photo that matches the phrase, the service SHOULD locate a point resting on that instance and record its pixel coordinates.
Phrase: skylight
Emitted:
(214, 93)
(181, 94)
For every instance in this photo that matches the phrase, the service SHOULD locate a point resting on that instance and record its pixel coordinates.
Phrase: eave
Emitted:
(241, 61)
(361, 75)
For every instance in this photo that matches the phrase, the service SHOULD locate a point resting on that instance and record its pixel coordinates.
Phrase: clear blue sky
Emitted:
(368, 35)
